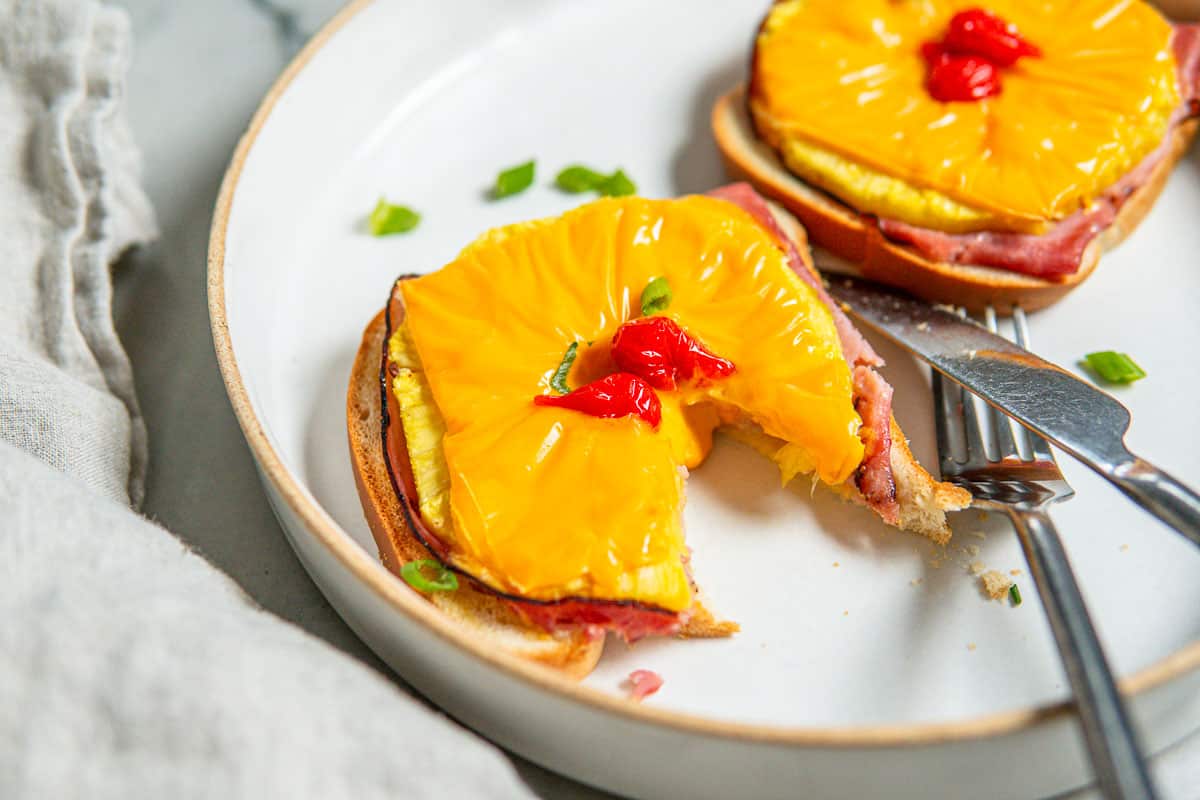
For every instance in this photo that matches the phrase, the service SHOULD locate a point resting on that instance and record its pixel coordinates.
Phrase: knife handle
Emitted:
(1161, 495)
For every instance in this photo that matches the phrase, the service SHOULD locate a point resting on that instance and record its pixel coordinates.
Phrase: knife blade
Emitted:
(1086, 422)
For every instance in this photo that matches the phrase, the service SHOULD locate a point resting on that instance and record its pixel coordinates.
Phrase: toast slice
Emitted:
(851, 236)
(923, 505)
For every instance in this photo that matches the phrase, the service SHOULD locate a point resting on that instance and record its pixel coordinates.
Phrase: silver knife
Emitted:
(1082, 420)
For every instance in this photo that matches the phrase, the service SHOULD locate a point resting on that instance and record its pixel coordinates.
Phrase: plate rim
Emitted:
(370, 573)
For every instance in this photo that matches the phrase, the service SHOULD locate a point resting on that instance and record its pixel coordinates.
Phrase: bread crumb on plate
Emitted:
(995, 584)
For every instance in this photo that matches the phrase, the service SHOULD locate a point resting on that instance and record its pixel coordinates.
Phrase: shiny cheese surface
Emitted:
(547, 503)
(847, 78)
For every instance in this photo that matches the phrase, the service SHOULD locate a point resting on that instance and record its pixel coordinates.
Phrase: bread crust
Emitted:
(845, 233)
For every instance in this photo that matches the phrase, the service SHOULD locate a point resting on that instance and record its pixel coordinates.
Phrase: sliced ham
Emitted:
(872, 394)
(1186, 44)
(1054, 254)
(1059, 251)
(631, 621)
(873, 402)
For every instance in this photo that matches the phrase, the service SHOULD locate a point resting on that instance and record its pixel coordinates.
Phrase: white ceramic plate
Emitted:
(868, 661)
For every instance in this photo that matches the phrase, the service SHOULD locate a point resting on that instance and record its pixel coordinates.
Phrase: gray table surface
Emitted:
(200, 68)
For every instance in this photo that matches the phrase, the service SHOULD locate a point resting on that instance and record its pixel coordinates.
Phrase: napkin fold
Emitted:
(129, 667)
(69, 203)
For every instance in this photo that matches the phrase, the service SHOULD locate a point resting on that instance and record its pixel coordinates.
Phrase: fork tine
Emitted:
(1038, 446)
(972, 430)
(966, 408)
(944, 413)
(1006, 445)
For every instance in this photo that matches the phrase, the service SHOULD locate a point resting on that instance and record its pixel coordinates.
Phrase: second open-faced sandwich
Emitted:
(968, 153)
(523, 420)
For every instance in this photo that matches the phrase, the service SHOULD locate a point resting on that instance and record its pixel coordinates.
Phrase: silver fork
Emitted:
(1024, 488)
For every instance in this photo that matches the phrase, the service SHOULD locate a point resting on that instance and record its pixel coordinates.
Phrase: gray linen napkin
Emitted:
(69, 202)
(129, 667)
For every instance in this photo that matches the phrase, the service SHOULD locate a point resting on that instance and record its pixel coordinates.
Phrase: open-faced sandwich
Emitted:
(969, 154)
(522, 421)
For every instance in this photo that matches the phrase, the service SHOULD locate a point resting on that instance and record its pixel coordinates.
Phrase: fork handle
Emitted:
(1107, 730)
(1161, 495)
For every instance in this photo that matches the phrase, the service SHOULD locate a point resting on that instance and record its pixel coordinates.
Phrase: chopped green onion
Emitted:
(578, 178)
(387, 219)
(1014, 594)
(617, 185)
(414, 575)
(558, 381)
(1115, 367)
(514, 180)
(656, 296)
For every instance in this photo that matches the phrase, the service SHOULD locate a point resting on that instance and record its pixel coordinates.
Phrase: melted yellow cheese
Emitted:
(545, 502)
(847, 79)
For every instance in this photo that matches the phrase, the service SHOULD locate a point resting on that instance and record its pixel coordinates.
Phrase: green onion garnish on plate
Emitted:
(578, 178)
(388, 218)
(414, 574)
(514, 180)
(1114, 367)
(618, 185)
(1014, 595)
(656, 296)
(558, 381)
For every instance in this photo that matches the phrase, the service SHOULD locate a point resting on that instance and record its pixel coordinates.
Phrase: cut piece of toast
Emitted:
(852, 237)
